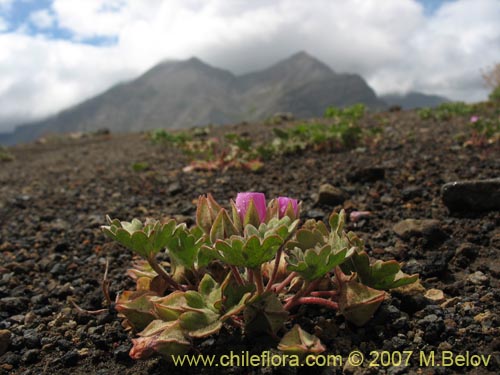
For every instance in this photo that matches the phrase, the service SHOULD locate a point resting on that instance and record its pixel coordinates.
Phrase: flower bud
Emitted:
(243, 205)
(288, 206)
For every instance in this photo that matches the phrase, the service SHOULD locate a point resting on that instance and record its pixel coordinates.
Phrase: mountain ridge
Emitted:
(187, 93)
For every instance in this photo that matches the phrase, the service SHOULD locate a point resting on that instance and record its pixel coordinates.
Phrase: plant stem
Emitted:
(312, 301)
(277, 262)
(237, 275)
(161, 271)
(258, 280)
(324, 293)
(285, 282)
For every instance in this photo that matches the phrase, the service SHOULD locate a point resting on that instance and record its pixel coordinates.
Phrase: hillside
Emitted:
(54, 198)
(183, 94)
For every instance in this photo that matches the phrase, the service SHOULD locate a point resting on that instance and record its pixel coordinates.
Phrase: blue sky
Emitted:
(56, 53)
(18, 16)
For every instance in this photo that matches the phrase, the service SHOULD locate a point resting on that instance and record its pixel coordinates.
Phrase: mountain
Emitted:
(182, 94)
(413, 100)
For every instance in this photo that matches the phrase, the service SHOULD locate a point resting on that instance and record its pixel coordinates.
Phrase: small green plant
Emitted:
(341, 133)
(140, 166)
(483, 131)
(5, 155)
(352, 113)
(164, 136)
(446, 111)
(232, 151)
(248, 267)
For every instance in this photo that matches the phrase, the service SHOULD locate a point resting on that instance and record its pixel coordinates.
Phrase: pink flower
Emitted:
(474, 119)
(284, 202)
(358, 215)
(243, 202)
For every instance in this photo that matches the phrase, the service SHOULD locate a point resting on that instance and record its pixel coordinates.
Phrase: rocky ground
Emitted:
(54, 197)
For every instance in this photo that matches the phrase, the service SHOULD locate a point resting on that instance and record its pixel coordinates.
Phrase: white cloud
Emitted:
(42, 19)
(392, 43)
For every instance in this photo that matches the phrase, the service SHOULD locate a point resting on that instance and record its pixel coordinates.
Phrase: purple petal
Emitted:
(283, 203)
(243, 201)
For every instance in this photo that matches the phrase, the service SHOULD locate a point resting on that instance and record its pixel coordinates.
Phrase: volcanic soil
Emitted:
(54, 197)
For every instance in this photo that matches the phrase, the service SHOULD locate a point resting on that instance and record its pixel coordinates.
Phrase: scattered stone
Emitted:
(472, 195)
(5, 339)
(30, 356)
(427, 228)
(478, 278)
(13, 304)
(435, 295)
(411, 192)
(121, 353)
(174, 188)
(371, 174)
(31, 338)
(450, 302)
(330, 195)
(70, 358)
(315, 214)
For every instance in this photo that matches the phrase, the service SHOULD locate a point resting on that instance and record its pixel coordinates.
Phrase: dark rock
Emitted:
(5, 339)
(315, 214)
(61, 247)
(58, 269)
(174, 188)
(13, 304)
(427, 228)
(121, 353)
(472, 195)
(411, 192)
(11, 358)
(30, 356)
(330, 195)
(70, 358)
(31, 338)
(367, 175)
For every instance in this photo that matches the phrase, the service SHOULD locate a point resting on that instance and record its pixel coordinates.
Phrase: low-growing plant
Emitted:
(164, 136)
(352, 113)
(446, 111)
(248, 267)
(232, 151)
(483, 131)
(5, 155)
(140, 166)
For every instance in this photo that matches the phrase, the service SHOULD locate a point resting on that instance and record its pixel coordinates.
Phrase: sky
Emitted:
(57, 53)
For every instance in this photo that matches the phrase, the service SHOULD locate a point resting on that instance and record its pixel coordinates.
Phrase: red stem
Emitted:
(237, 275)
(324, 293)
(277, 262)
(312, 301)
(258, 280)
(161, 271)
(285, 282)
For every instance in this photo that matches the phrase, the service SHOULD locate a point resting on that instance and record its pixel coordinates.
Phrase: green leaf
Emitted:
(264, 314)
(315, 263)
(337, 221)
(380, 275)
(299, 342)
(359, 302)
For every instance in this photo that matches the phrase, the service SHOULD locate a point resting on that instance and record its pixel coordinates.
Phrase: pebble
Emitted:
(427, 228)
(478, 278)
(5, 340)
(330, 195)
(30, 356)
(371, 174)
(70, 358)
(31, 338)
(121, 353)
(472, 195)
(435, 295)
